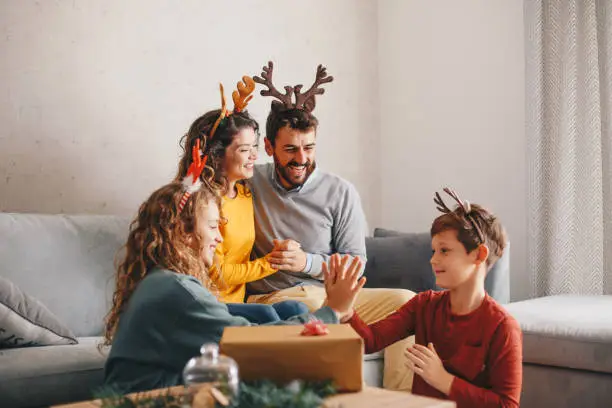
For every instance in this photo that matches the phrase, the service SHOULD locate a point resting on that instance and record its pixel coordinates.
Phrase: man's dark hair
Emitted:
(298, 119)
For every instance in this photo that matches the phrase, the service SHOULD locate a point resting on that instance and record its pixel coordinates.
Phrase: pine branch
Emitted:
(253, 394)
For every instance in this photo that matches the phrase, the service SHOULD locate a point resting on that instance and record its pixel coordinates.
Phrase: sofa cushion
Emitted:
(566, 331)
(64, 261)
(399, 262)
(40, 376)
(373, 368)
(24, 321)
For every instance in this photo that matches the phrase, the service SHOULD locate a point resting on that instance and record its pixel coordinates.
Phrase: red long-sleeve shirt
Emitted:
(482, 349)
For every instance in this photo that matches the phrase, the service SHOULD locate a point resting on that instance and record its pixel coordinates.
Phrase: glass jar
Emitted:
(214, 370)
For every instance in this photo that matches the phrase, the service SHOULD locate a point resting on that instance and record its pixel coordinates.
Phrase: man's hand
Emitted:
(287, 255)
(286, 245)
(425, 362)
(342, 283)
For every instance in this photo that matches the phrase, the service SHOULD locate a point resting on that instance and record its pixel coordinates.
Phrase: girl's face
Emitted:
(208, 230)
(451, 263)
(240, 155)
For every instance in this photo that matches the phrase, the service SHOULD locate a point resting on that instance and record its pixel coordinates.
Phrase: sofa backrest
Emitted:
(401, 260)
(64, 261)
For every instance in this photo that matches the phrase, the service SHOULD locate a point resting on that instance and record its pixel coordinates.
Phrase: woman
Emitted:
(231, 152)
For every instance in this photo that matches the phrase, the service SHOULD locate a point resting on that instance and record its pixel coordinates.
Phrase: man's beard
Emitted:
(283, 172)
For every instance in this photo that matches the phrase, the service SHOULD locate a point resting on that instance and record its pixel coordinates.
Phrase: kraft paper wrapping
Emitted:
(281, 354)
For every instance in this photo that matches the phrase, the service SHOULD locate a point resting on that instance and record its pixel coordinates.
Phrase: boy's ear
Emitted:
(268, 146)
(483, 253)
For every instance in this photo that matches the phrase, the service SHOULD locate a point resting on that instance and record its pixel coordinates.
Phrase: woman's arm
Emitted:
(238, 274)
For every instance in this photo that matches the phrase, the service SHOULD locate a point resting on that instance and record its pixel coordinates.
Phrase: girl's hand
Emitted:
(342, 283)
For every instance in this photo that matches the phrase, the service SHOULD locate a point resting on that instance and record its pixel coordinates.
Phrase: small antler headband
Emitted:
(304, 101)
(241, 97)
(465, 206)
(191, 181)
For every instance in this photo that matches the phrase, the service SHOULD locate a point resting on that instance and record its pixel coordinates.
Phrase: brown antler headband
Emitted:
(304, 101)
(465, 206)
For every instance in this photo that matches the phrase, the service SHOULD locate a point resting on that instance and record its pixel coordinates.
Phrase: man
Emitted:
(303, 215)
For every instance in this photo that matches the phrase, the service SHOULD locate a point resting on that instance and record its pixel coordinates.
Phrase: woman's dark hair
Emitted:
(216, 147)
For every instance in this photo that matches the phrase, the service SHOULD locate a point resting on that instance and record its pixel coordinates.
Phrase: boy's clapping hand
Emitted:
(425, 362)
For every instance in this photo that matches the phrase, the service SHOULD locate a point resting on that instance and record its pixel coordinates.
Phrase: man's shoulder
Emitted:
(262, 169)
(261, 175)
(335, 181)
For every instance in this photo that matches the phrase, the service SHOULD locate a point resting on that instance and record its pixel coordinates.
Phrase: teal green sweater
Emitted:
(168, 318)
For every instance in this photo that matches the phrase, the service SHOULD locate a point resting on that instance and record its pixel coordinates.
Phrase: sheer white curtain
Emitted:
(569, 85)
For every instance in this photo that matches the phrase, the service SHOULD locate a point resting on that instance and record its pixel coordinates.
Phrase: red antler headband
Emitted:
(241, 98)
(465, 206)
(192, 182)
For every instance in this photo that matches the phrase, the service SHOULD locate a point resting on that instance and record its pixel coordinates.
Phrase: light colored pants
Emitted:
(372, 305)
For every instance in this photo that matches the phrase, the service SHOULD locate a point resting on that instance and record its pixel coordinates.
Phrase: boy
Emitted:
(468, 348)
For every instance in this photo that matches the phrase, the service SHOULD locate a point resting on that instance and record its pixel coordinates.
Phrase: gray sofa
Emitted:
(567, 351)
(66, 262)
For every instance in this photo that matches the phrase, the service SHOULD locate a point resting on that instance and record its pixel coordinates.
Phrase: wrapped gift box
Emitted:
(281, 354)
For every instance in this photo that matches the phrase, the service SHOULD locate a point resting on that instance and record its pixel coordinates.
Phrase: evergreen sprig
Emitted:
(112, 398)
(253, 394)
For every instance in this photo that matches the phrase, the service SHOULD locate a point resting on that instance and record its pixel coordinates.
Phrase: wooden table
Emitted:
(379, 398)
(367, 398)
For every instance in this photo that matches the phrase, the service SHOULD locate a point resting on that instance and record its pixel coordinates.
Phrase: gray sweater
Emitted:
(324, 216)
(168, 318)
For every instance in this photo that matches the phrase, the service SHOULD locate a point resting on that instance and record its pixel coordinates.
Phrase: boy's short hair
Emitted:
(491, 228)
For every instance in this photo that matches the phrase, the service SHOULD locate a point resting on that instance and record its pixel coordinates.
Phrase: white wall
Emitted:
(95, 95)
(452, 113)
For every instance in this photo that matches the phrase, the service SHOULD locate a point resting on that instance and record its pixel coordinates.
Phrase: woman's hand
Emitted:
(342, 283)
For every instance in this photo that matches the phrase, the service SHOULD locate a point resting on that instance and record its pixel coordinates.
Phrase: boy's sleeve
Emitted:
(395, 327)
(505, 364)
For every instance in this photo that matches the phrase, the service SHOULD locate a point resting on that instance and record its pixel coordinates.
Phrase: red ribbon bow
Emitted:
(314, 328)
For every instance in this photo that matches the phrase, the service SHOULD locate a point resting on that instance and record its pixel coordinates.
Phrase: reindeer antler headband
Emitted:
(241, 97)
(465, 206)
(304, 101)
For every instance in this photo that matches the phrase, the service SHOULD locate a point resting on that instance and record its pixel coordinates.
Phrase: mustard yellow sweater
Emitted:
(233, 255)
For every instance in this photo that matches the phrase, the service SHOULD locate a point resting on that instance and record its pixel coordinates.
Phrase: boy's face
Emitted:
(208, 230)
(451, 263)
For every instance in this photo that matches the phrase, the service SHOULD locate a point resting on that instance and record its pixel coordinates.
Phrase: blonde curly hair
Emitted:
(161, 236)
